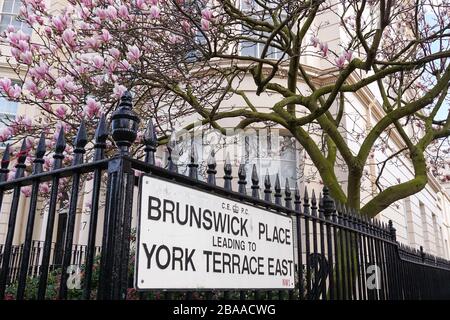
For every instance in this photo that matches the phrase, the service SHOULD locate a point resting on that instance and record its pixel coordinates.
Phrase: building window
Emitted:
(254, 45)
(8, 16)
(8, 111)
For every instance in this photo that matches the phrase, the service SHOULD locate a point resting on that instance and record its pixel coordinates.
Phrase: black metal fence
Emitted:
(78, 258)
(339, 253)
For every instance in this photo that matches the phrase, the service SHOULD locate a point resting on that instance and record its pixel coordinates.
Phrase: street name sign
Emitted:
(188, 238)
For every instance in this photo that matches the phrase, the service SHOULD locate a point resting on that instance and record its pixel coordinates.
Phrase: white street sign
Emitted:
(192, 239)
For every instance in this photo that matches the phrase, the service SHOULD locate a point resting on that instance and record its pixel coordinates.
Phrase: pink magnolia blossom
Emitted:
(23, 45)
(133, 53)
(30, 86)
(114, 52)
(26, 57)
(92, 107)
(42, 94)
(186, 26)
(47, 160)
(44, 187)
(118, 90)
(15, 53)
(207, 14)
(48, 31)
(42, 69)
(205, 24)
(124, 65)
(340, 61)
(5, 84)
(123, 12)
(14, 92)
(141, 4)
(324, 48)
(93, 42)
(348, 55)
(5, 134)
(59, 23)
(69, 37)
(111, 65)
(30, 142)
(11, 174)
(98, 61)
(106, 36)
(154, 12)
(111, 12)
(26, 191)
(87, 3)
(61, 112)
(102, 14)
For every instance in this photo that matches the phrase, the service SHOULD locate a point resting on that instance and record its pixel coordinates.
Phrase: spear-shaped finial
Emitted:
(267, 186)
(211, 162)
(287, 193)
(242, 175)
(277, 190)
(171, 166)
(227, 170)
(306, 202)
(40, 152)
(100, 137)
(5, 164)
(79, 143)
(151, 142)
(193, 163)
(255, 183)
(297, 200)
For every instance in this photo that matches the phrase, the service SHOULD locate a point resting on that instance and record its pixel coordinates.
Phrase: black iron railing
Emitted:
(339, 253)
(78, 258)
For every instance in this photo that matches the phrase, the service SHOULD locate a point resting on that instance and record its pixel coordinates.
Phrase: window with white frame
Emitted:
(8, 16)
(255, 44)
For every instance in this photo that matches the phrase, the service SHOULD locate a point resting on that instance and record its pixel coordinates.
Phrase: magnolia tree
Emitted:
(181, 58)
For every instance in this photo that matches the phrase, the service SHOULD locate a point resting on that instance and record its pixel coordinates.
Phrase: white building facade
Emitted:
(422, 219)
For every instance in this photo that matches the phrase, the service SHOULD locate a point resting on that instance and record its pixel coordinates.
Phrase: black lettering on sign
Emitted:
(279, 267)
(153, 206)
(196, 217)
(176, 257)
(274, 234)
(223, 262)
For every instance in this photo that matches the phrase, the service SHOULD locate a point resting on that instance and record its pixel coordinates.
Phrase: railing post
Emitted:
(422, 254)
(193, 164)
(24, 263)
(151, 142)
(119, 200)
(79, 144)
(101, 135)
(20, 169)
(255, 183)
(328, 210)
(58, 157)
(211, 169)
